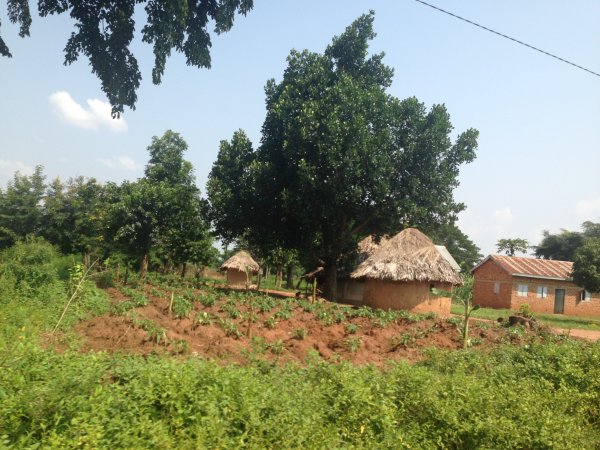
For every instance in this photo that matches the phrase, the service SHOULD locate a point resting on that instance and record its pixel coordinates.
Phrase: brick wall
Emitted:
(412, 296)
(485, 277)
(573, 305)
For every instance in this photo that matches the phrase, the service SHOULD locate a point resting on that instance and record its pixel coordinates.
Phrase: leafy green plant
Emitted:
(122, 307)
(207, 299)
(525, 310)
(351, 328)
(285, 312)
(299, 333)
(203, 318)
(353, 344)
(270, 323)
(232, 312)
(139, 299)
(463, 295)
(277, 347)
(181, 307)
(265, 303)
(402, 340)
(230, 328)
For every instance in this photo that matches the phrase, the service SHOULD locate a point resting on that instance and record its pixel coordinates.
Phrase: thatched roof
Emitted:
(240, 261)
(408, 256)
(367, 246)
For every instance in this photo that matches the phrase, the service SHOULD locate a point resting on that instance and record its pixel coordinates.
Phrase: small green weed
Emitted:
(203, 318)
(271, 323)
(277, 347)
(351, 328)
(181, 307)
(353, 344)
(299, 333)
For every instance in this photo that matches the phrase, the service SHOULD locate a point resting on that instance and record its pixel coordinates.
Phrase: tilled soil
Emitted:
(291, 340)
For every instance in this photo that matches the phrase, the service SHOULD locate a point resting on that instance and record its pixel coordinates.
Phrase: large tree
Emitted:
(105, 30)
(73, 216)
(20, 207)
(341, 159)
(586, 265)
(563, 246)
(162, 211)
(510, 246)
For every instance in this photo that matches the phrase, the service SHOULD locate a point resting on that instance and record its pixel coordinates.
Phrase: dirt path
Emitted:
(592, 335)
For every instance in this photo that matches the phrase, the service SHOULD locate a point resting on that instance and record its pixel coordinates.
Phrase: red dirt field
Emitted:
(290, 340)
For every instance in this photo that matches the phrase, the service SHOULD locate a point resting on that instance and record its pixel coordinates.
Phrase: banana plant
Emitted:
(463, 295)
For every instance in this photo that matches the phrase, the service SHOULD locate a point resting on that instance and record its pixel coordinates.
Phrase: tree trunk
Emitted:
(144, 266)
(330, 280)
(279, 276)
(289, 279)
(86, 259)
(183, 269)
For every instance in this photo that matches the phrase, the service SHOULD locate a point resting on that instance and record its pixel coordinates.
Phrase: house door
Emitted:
(559, 301)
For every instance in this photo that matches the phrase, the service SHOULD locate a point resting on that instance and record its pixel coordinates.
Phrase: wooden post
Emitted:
(171, 302)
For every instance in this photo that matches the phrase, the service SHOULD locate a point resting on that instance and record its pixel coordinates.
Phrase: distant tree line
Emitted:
(161, 216)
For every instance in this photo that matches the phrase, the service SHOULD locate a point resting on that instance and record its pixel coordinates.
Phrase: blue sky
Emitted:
(538, 159)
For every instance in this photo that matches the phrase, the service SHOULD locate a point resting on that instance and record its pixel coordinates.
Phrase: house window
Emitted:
(542, 292)
(585, 296)
(496, 288)
(522, 290)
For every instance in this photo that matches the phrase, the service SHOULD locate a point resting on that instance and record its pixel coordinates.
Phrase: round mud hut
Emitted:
(402, 271)
(236, 267)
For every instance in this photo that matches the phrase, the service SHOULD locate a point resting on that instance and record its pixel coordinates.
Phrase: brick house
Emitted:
(545, 285)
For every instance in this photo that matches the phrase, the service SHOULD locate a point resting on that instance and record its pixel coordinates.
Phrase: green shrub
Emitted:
(353, 344)
(351, 328)
(181, 307)
(299, 333)
(30, 265)
(203, 318)
(271, 323)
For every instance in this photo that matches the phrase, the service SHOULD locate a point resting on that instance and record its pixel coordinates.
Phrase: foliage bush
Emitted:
(181, 307)
(532, 396)
(544, 396)
(31, 265)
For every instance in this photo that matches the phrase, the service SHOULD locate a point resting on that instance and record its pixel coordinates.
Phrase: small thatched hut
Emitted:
(236, 268)
(400, 273)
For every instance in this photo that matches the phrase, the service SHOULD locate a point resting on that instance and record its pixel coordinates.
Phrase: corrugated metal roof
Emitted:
(535, 268)
(448, 257)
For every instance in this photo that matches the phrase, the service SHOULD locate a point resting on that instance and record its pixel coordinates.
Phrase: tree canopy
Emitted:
(160, 215)
(162, 211)
(586, 265)
(563, 246)
(512, 246)
(340, 158)
(105, 30)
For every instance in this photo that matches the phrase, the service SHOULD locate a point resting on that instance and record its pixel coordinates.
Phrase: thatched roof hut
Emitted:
(236, 267)
(240, 261)
(408, 256)
(401, 271)
(367, 247)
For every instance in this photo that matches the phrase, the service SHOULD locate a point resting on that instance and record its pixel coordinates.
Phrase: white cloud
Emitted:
(588, 207)
(97, 115)
(128, 164)
(10, 167)
(504, 215)
(120, 163)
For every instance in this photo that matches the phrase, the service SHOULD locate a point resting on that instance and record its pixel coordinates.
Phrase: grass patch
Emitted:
(552, 320)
